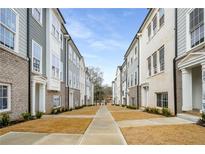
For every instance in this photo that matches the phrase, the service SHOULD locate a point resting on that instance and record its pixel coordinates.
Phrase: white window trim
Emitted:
(9, 98)
(60, 104)
(188, 35)
(16, 38)
(34, 42)
(41, 16)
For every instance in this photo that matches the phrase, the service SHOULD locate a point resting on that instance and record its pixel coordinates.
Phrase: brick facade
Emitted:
(14, 71)
(64, 97)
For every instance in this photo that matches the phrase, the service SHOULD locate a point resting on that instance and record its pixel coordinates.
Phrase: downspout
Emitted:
(174, 66)
(29, 63)
(138, 72)
(67, 51)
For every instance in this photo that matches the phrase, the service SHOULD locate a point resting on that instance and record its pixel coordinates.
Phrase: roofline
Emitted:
(61, 15)
(75, 47)
(139, 31)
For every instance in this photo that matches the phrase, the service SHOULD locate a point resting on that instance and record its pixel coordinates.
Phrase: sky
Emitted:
(103, 35)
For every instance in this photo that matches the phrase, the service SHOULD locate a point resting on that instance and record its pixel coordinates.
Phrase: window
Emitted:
(55, 30)
(61, 72)
(149, 65)
(136, 51)
(37, 14)
(5, 97)
(149, 31)
(161, 17)
(162, 100)
(161, 58)
(55, 67)
(196, 28)
(7, 28)
(56, 101)
(155, 62)
(36, 57)
(131, 60)
(70, 78)
(70, 52)
(61, 39)
(155, 24)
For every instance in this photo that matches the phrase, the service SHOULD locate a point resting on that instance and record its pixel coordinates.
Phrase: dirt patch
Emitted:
(90, 110)
(169, 134)
(134, 115)
(51, 125)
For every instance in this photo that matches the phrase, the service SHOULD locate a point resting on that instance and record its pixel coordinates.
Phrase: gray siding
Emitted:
(22, 14)
(37, 33)
(181, 27)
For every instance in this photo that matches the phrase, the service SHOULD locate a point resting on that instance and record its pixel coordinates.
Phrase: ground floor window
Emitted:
(56, 101)
(4, 97)
(162, 99)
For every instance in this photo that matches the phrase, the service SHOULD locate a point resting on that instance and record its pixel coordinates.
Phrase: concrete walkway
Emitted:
(103, 130)
(153, 122)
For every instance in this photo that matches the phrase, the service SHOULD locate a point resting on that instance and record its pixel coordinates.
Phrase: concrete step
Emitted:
(188, 117)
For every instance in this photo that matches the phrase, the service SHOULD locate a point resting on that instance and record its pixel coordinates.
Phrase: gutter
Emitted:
(29, 63)
(138, 69)
(174, 66)
(67, 78)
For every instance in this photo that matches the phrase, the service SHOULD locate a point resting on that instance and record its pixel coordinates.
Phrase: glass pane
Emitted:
(5, 89)
(1, 91)
(5, 103)
(1, 103)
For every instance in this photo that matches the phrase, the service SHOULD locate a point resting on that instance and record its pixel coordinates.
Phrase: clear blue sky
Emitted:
(103, 35)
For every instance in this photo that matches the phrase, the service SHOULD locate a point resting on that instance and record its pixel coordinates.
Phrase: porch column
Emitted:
(203, 86)
(33, 87)
(186, 90)
(42, 96)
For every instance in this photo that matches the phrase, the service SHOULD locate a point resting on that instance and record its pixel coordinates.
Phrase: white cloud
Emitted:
(79, 30)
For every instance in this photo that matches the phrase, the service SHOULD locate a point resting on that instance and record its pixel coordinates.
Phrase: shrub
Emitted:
(203, 116)
(132, 107)
(39, 115)
(117, 104)
(166, 112)
(5, 119)
(54, 111)
(146, 109)
(26, 115)
(123, 105)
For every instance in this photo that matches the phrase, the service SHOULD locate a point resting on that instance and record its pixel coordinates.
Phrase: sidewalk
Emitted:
(103, 130)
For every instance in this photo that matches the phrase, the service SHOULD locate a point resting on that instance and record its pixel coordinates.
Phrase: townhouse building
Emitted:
(40, 66)
(74, 74)
(82, 81)
(89, 86)
(132, 69)
(37, 56)
(14, 66)
(124, 83)
(157, 52)
(114, 91)
(118, 85)
(190, 60)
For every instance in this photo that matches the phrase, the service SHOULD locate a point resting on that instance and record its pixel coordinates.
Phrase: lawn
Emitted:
(134, 115)
(89, 110)
(170, 134)
(113, 108)
(51, 125)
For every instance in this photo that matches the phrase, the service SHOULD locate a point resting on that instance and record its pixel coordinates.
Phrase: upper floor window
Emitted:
(149, 31)
(196, 27)
(131, 60)
(55, 67)
(161, 17)
(37, 14)
(55, 29)
(131, 79)
(154, 24)
(162, 99)
(36, 56)
(5, 97)
(161, 58)
(8, 28)
(61, 39)
(149, 65)
(155, 62)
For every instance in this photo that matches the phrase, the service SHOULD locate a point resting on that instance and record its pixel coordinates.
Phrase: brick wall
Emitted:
(64, 97)
(14, 71)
